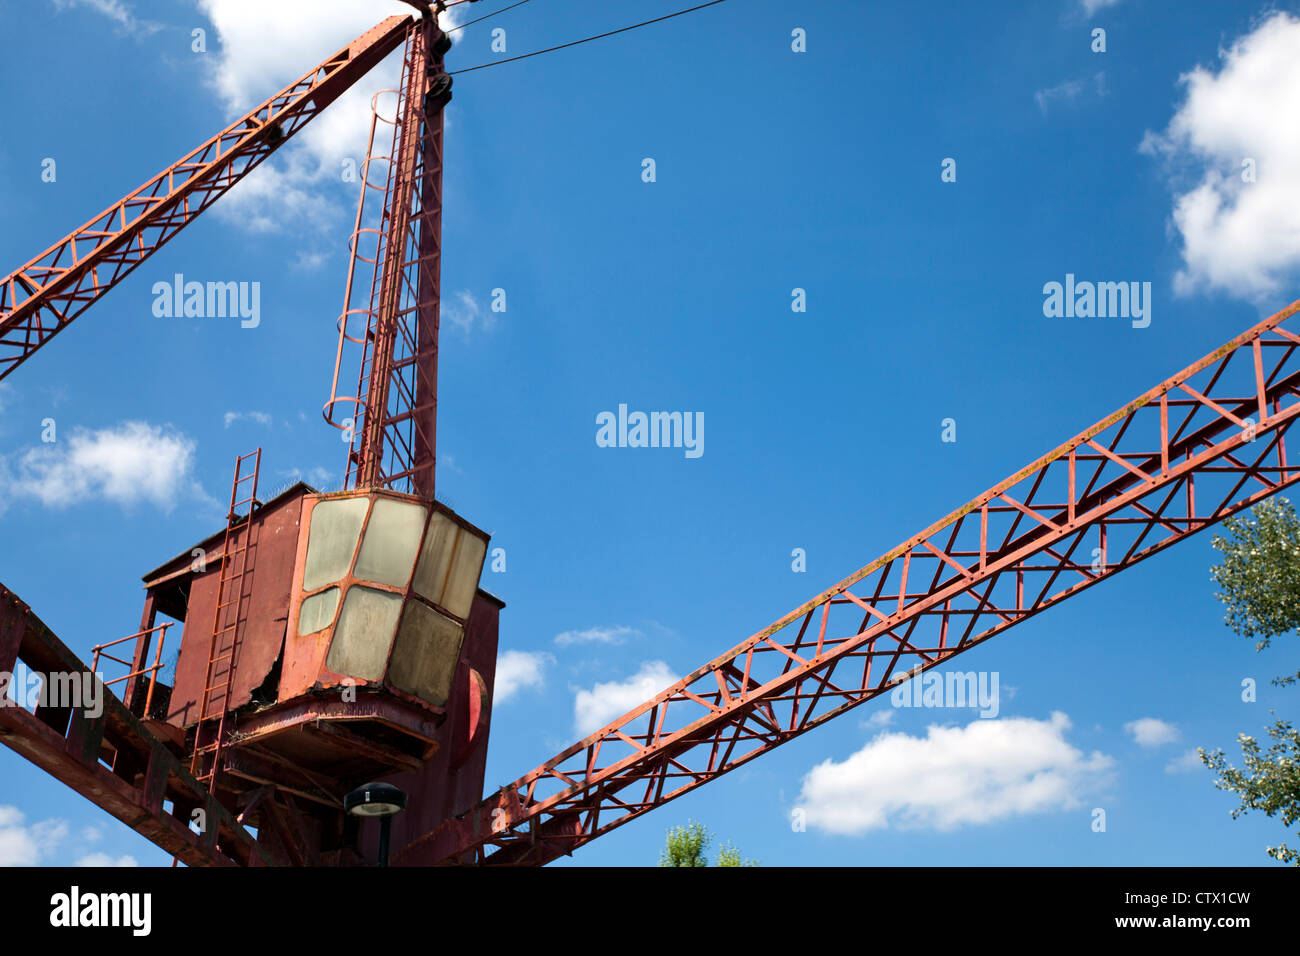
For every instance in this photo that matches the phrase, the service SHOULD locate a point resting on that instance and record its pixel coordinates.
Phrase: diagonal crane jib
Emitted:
(1159, 446)
(66, 278)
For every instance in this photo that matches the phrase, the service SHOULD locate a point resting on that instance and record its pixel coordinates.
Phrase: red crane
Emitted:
(265, 740)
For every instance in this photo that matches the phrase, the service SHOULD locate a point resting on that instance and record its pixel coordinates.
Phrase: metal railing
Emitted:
(98, 651)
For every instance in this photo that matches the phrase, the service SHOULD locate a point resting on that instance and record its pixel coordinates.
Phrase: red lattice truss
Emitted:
(40, 299)
(1205, 444)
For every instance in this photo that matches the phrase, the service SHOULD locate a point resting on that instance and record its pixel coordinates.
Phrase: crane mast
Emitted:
(389, 324)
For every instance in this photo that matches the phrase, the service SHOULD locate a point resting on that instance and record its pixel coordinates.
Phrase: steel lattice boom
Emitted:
(1201, 446)
(40, 299)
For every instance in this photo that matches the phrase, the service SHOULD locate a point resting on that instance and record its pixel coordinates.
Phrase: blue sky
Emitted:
(775, 170)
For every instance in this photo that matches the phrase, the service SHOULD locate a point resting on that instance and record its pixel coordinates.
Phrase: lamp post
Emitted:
(381, 800)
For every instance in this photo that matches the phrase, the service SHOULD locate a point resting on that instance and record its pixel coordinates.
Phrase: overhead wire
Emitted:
(599, 36)
(486, 16)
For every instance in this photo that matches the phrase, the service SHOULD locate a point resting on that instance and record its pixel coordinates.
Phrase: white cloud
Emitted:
(1070, 91)
(115, 10)
(32, 845)
(1092, 6)
(322, 479)
(309, 261)
(22, 845)
(517, 670)
(954, 776)
(1187, 763)
(593, 709)
(1151, 732)
(103, 859)
(1239, 237)
(131, 463)
(464, 312)
(264, 46)
(262, 418)
(880, 718)
(595, 635)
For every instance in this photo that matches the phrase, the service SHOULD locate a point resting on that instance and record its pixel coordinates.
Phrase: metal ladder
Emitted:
(236, 568)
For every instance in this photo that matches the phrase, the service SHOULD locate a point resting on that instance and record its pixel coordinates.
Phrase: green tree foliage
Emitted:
(1259, 578)
(688, 845)
(1259, 582)
(1269, 782)
(728, 855)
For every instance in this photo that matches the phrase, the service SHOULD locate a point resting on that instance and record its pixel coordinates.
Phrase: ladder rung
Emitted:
(235, 570)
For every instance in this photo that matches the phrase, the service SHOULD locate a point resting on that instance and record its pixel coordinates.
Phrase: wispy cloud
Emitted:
(309, 261)
(596, 635)
(23, 844)
(1092, 6)
(881, 718)
(1069, 92)
(465, 312)
(261, 418)
(321, 478)
(116, 10)
(1151, 732)
(1188, 762)
(37, 844)
(100, 860)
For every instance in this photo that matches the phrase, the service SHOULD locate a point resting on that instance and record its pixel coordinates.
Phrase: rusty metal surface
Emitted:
(178, 567)
(276, 527)
(409, 720)
(145, 772)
